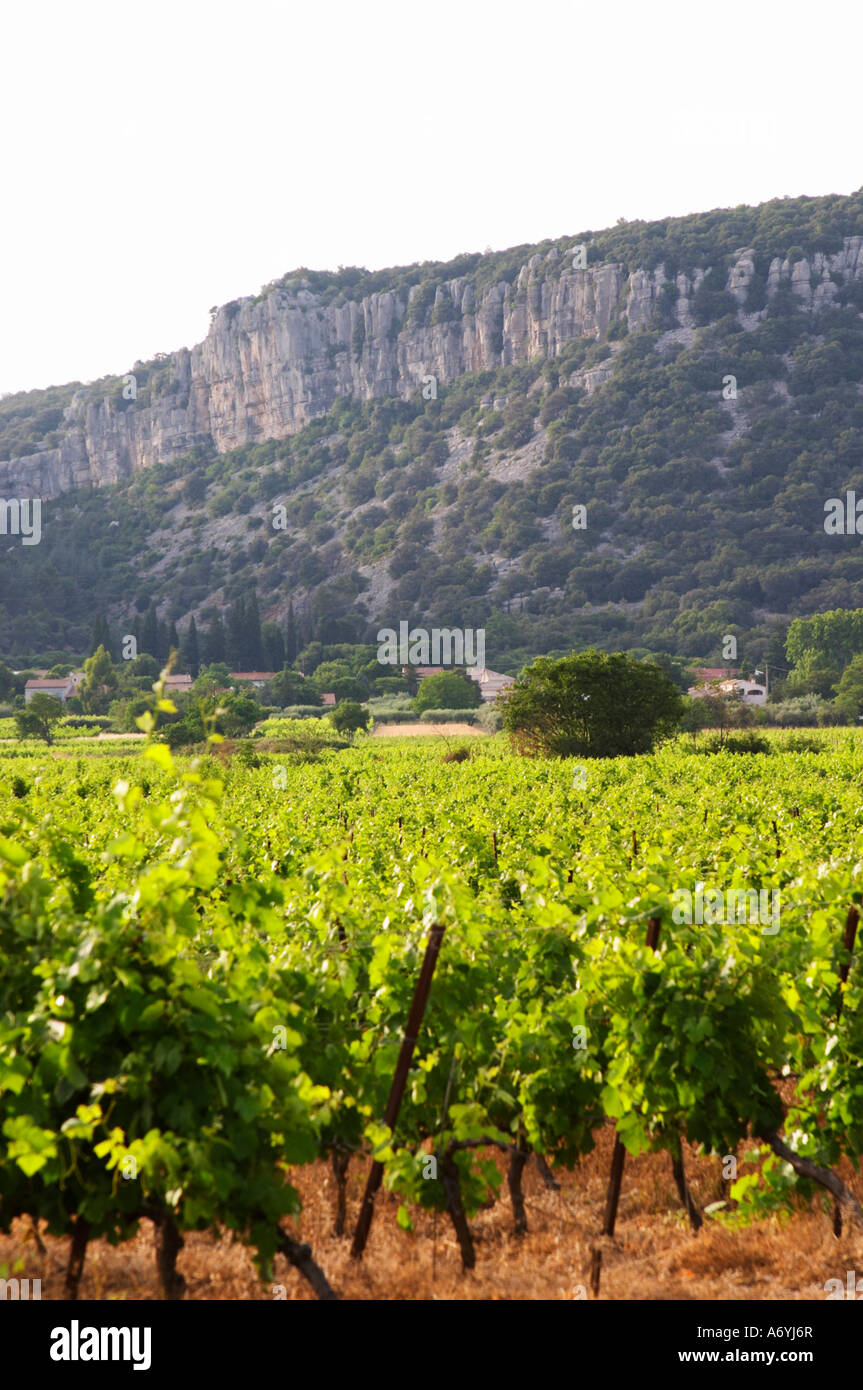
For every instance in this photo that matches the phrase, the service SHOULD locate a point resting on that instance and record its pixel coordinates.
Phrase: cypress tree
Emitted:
(215, 641)
(274, 646)
(149, 640)
(254, 649)
(101, 636)
(236, 636)
(291, 644)
(191, 655)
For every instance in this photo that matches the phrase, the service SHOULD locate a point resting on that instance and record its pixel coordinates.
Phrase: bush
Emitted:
(182, 734)
(244, 752)
(590, 705)
(800, 712)
(85, 721)
(300, 740)
(802, 743)
(489, 717)
(302, 712)
(348, 717)
(389, 685)
(449, 716)
(447, 691)
(738, 743)
(303, 728)
(395, 716)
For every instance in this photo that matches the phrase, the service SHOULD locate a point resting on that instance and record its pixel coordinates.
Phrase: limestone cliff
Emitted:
(272, 363)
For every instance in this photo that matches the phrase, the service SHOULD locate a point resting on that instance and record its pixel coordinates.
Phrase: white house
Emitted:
(491, 683)
(256, 678)
(61, 687)
(749, 691)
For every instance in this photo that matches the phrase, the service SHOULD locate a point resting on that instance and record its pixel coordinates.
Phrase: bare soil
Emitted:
(652, 1256)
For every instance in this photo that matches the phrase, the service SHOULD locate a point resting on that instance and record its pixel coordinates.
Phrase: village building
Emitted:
(256, 678)
(749, 691)
(61, 687)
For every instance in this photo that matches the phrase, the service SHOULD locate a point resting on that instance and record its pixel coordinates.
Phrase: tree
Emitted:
(290, 688)
(590, 704)
(449, 690)
(150, 633)
(100, 681)
(274, 646)
(348, 717)
(253, 653)
(101, 636)
(240, 713)
(191, 654)
(674, 668)
(216, 675)
(821, 646)
(718, 711)
(338, 678)
(235, 640)
(291, 638)
(310, 657)
(849, 691)
(7, 681)
(214, 642)
(36, 719)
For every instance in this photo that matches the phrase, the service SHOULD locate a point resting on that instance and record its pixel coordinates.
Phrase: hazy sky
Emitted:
(163, 157)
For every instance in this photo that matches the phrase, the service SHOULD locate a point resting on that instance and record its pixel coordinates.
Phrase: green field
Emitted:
(206, 970)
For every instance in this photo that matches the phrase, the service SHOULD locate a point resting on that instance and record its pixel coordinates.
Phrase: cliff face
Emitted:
(270, 365)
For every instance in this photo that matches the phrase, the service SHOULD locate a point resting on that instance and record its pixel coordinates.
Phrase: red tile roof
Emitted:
(715, 673)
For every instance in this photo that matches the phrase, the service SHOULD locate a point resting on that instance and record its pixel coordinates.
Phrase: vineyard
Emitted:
(426, 970)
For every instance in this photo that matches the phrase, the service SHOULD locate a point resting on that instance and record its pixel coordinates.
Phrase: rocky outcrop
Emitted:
(815, 280)
(271, 364)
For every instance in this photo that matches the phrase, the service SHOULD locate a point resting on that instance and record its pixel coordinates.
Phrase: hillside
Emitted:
(554, 387)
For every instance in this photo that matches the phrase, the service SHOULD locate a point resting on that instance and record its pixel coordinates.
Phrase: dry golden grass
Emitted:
(653, 1254)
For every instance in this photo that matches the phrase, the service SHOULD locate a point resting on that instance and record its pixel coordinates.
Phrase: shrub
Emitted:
(348, 716)
(489, 717)
(590, 704)
(801, 743)
(182, 734)
(738, 743)
(85, 721)
(449, 716)
(448, 690)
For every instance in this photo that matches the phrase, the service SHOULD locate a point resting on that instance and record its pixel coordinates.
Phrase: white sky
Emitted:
(162, 157)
